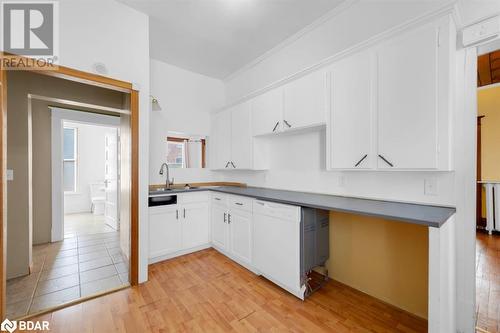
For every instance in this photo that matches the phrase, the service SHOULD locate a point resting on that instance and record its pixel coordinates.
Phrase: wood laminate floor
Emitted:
(488, 282)
(207, 292)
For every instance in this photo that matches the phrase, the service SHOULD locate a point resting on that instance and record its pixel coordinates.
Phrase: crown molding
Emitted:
(318, 22)
(448, 9)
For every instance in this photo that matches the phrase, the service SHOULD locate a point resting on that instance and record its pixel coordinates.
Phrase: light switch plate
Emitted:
(10, 174)
(431, 186)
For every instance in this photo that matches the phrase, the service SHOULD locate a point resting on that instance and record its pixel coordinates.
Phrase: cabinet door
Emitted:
(221, 139)
(407, 100)
(240, 229)
(219, 226)
(194, 224)
(305, 101)
(267, 112)
(350, 128)
(164, 231)
(241, 137)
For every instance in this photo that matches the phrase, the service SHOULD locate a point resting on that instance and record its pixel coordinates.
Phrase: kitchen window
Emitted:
(70, 159)
(185, 152)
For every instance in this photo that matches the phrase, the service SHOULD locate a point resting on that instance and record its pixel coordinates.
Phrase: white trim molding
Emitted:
(450, 8)
(346, 4)
(442, 288)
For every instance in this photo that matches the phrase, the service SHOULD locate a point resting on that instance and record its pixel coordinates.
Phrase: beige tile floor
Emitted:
(81, 265)
(84, 223)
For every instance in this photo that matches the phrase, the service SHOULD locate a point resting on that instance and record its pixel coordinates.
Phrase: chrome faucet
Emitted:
(168, 183)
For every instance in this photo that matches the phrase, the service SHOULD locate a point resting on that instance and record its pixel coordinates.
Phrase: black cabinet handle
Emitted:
(386, 161)
(225, 214)
(287, 124)
(361, 160)
(217, 199)
(234, 166)
(239, 203)
(176, 214)
(184, 212)
(229, 218)
(276, 126)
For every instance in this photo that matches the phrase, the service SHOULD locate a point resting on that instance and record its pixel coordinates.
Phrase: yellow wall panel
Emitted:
(385, 259)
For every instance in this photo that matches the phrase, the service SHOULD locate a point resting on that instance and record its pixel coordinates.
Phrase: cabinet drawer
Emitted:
(276, 210)
(193, 197)
(219, 199)
(242, 203)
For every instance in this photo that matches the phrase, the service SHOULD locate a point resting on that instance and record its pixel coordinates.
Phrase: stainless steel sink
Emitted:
(162, 189)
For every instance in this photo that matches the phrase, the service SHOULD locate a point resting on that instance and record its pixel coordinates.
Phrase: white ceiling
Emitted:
(218, 37)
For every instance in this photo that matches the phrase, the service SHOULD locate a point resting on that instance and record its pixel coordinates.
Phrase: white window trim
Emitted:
(76, 159)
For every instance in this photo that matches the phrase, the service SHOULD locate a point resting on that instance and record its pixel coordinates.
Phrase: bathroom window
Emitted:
(70, 162)
(184, 152)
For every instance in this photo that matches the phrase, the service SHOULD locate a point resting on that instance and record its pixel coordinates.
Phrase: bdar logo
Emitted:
(9, 326)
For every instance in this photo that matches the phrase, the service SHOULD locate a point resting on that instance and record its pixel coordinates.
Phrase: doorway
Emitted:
(76, 241)
(488, 192)
(90, 172)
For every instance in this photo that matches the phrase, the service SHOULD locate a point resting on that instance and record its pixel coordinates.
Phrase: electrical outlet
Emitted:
(430, 186)
(10, 174)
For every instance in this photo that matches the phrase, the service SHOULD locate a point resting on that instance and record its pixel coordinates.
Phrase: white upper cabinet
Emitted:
(350, 127)
(232, 141)
(305, 101)
(390, 105)
(220, 143)
(412, 99)
(241, 137)
(267, 112)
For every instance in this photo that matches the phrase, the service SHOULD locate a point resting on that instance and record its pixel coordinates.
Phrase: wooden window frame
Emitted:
(203, 147)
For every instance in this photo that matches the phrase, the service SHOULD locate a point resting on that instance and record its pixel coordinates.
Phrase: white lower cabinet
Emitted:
(164, 230)
(179, 228)
(232, 226)
(219, 226)
(261, 236)
(240, 234)
(195, 224)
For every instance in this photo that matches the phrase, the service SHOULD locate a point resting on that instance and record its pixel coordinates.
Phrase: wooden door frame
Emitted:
(70, 74)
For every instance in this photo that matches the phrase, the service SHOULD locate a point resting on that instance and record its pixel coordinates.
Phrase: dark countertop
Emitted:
(427, 215)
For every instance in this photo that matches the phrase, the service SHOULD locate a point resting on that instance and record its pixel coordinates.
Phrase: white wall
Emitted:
(186, 99)
(118, 36)
(297, 162)
(473, 10)
(90, 165)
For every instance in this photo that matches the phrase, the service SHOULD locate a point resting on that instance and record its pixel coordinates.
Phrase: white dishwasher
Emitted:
(276, 246)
